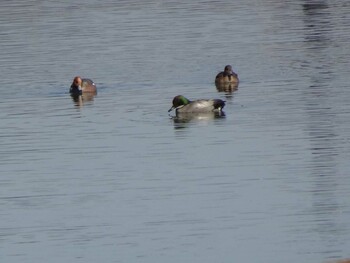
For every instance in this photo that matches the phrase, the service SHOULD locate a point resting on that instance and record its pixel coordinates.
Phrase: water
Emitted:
(114, 178)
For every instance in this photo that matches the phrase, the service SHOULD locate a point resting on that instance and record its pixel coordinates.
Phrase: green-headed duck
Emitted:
(184, 105)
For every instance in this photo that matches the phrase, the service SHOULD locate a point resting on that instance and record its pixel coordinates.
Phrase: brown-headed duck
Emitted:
(80, 86)
(227, 76)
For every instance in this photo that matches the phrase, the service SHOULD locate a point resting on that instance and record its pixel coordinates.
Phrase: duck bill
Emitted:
(171, 109)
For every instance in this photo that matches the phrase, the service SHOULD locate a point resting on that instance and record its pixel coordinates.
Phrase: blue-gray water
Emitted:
(116, 179)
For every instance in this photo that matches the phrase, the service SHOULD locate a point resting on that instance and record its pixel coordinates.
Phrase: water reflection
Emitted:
(226, 87)
(181, 120)
(320, 127)
(317, 23)
(81, 100)
(339, 261)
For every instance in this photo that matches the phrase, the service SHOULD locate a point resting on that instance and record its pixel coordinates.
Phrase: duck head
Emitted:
(228, 69)
(76, 82)
(178, 101)
(75, 88)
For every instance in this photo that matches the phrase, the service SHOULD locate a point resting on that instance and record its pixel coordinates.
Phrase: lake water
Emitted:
(115, 178)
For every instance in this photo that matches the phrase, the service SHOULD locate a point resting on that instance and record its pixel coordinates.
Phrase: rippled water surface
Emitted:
(115, 178)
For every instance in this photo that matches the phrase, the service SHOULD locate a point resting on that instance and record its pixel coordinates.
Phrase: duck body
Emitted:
(227, 76)
(184, 105)
(80, 86)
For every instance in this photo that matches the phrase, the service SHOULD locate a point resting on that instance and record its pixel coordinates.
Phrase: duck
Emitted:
(183, 105)
(227, 76)
(80, 86)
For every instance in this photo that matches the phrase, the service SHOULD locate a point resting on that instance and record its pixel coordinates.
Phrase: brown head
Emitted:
(77, 81)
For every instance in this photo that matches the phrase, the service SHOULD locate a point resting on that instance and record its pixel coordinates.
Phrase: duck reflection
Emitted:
(183, 120)
(340, 261)
(81, 100)
(317, 24)
(323, 133)
(226, 87)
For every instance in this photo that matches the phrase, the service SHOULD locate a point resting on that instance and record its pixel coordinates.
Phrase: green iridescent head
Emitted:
(179, 101)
